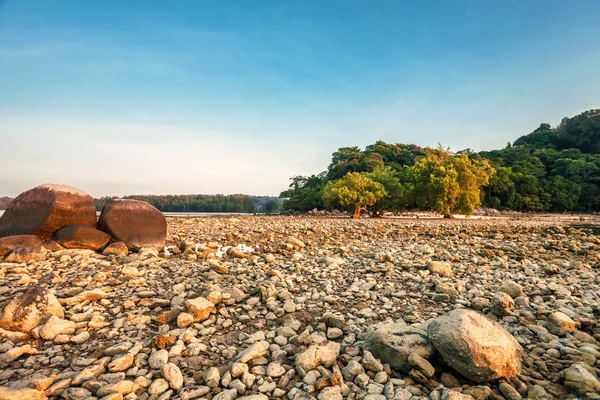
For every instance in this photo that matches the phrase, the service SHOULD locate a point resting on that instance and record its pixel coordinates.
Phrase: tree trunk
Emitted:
(447, 213)
(357, 210)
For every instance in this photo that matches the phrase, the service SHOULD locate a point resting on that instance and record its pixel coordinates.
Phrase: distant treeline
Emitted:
(551, 169)
(235, 203)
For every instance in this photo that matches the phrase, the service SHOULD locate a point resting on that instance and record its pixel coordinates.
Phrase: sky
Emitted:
(237, 96)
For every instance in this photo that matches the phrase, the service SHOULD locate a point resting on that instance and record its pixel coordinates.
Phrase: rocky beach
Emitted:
(300, 308)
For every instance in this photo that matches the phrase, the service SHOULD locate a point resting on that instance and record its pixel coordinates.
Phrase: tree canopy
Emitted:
(354, 189)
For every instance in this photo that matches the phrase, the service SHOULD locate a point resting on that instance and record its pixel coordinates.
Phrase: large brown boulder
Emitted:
(43, 210)
(136, 223)
(10, 243)
(26, 312)
(82, 237)
(476, 347)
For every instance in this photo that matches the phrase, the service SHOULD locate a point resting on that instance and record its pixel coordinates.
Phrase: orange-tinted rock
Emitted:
(52, 245)
(10, 243)
(136, 223)
(82, 237)
(116, 249)
(43, 210)
(25, 312)
(25, 254)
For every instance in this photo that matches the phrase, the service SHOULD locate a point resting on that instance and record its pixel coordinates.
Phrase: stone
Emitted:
(440, 268)
(158, 359)
(324, 354)
(502, 304)
(81, 237)
(11, 355)
(172, 374)
(255, 350)
(560, 324)
(116, 249)
(10, 243)
(479, 349)
(26, 312)
(136, 223)
(371, 363)
(43, 210)
(199, 308)
(580, 379)
(421, 364)
(512, 288)
(55, 326)
(26, 254)
(392, 343)
(21, 394)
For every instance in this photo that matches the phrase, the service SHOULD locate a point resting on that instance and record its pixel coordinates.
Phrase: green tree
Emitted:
(449, 184)
(395, 198)
(272, 206)
(353, 190)
(305, 193)
(565, 194)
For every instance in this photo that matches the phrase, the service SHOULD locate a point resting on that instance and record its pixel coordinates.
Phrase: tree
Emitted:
(271, 206)
(449, 184)
(395, 199)
(565, 194)
(355, 190)
(305, 193)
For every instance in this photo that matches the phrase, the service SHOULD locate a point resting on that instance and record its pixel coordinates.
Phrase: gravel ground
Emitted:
(284, 312)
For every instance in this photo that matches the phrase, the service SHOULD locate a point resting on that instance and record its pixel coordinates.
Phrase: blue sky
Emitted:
(121, 97)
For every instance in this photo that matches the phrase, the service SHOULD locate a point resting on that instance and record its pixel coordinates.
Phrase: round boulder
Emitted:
(25, 312)
(43, 210)
(10, 243)
(136, 223)
(392, 343)
(479, 349)
(82, 237)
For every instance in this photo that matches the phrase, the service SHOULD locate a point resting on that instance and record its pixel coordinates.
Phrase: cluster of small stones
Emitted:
(289, 319)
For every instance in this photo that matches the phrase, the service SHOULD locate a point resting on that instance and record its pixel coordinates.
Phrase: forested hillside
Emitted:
(550, 169)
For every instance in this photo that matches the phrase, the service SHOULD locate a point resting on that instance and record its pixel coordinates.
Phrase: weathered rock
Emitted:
(476, 347)
(581, 379)
(393, 343)
(10, 243)
(21, 394)
(27, 311)
(116, 249)
(502, 304)
(172, 374)
(560, 324)
(315, 355)
(199, 308)
(512, 288)
(440, 268)
(43, 210)
(55, 326)
(11, 355)
(136, 223)
(81, 237)
(26, 254)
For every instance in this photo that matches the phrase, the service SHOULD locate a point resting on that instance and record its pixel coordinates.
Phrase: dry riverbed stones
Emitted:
(309, 309)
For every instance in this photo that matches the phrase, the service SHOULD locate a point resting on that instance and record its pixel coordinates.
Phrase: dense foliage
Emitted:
(236, 203)
(550, 169)
(353, 190)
